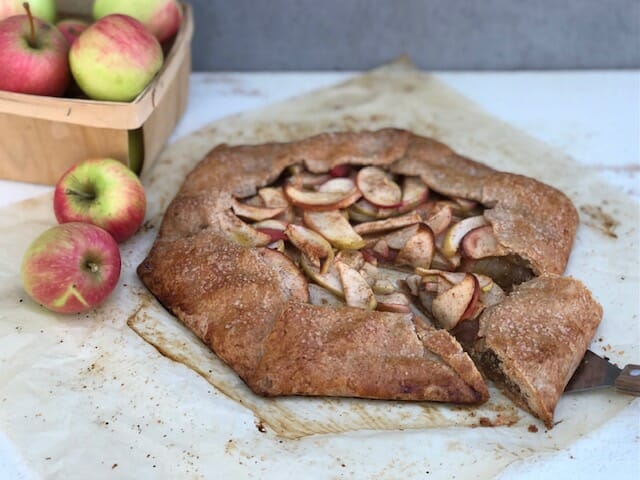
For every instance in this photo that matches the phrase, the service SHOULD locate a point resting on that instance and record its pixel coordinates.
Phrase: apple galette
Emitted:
(376, 265)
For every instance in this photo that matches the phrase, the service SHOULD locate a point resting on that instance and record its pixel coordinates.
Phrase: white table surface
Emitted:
(592, 116)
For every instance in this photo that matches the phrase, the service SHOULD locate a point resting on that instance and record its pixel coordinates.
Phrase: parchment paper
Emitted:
(126, 392)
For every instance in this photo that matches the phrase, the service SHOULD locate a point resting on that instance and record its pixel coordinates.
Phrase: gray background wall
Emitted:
(249, 35)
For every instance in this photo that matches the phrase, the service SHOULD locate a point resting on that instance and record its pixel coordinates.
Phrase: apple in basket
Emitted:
(71, 268)
(33, 56)
(161, 17)
(115, 58)
(71, 28)
(103, 192)
(43, 9)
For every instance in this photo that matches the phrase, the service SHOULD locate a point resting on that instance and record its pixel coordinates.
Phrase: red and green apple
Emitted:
(33, 56)
(43, 9)
(104, 192)
(161, 17)
(71, 268)
(115, 58)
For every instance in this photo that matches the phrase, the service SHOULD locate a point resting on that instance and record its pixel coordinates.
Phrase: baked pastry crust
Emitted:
(250, 304)
(531, 343)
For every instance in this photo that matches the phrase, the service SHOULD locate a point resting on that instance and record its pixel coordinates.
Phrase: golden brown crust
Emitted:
(245, 303)
(348, 351)
(532, 342)
(531, 219)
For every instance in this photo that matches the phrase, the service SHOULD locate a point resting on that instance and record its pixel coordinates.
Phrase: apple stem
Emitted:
(32, 37)
(80, 193)
(93, 267)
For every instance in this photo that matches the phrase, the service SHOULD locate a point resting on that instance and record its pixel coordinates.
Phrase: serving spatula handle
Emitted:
(629, 380)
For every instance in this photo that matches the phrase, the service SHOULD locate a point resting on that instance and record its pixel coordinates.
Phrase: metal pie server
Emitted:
(595, 372)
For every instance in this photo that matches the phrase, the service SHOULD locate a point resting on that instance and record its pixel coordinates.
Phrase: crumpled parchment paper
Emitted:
(126, 392)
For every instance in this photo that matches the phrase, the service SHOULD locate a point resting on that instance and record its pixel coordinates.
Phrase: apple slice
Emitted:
(357, 292)
(419, 249)
(383, 286)
(343, 185)
(369, 210)
(399, 238)
(329, 280)
(377, 188)
(319, 201)
(273, 197)
(312, 245)
(414, 192)
(273, 228)
(378, 226)
(466, 205)
(450, 307)
(480, 243)
(341, 170)
(440, 220)
(492, 296)
(353, 258)
(255, 213)
(380, 251)
(440, 262)
(456, 232)
(306, 179)
(334, 227)
(239, 232)
(393, 302)
(411, 283)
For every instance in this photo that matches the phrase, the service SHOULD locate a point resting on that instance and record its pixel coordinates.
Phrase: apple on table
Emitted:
(104, 192)
(33, 55)
(71, 268)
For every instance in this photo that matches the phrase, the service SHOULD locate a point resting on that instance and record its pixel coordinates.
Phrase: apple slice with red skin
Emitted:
(341, 170)
(456, 232)
(378, 226)
(393, 302)
(313, 245)
(368, 212)
(357, 292)
(377, 188)
(253, 213)
(414, 192)
(481, 243)
(456, 304)
(320, 201)
(272, 227)
(419, 249)
(333, 226)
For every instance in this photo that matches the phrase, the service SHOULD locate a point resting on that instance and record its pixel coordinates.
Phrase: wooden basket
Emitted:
(41, 137)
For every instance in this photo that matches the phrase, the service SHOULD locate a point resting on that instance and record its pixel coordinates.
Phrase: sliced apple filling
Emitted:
(369, 239)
